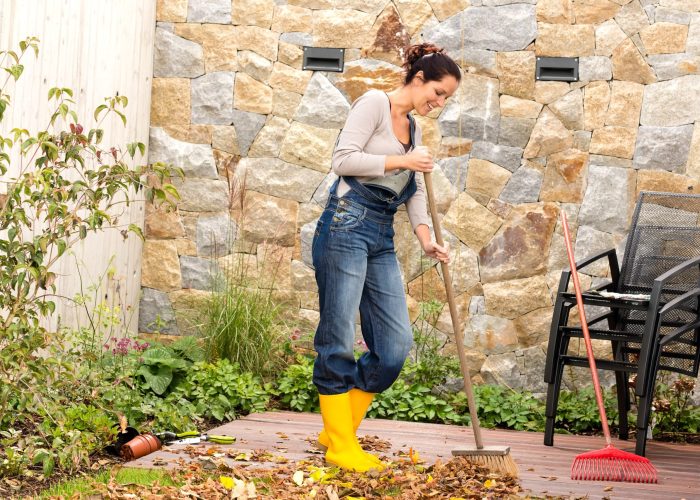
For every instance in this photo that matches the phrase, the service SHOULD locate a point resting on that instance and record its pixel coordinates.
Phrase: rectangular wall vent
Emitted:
(323, 59)
(558, 69)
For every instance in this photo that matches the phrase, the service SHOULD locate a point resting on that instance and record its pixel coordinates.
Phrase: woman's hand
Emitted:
(419, 160)
(441, 253)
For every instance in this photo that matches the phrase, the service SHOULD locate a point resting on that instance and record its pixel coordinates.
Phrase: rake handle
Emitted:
(584, 327)
(454, 315)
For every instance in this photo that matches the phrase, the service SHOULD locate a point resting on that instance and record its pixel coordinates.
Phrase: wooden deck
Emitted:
(544, 471)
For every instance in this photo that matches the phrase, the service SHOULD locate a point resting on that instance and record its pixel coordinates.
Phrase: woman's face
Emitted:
(433, 94)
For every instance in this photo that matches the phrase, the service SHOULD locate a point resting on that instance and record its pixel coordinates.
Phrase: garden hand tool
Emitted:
(193, 437)
(494, 457)
(608, 464)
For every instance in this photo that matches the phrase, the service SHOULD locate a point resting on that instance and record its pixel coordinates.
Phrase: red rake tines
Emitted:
(611, 464)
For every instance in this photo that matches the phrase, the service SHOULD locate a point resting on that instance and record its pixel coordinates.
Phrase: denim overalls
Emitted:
(356, 268)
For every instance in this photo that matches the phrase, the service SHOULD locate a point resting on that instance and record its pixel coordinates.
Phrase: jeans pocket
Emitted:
(346, 218)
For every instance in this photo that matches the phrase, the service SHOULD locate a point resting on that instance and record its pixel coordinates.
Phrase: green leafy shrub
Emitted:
(673, 412)
(295, 388)
(413, 402)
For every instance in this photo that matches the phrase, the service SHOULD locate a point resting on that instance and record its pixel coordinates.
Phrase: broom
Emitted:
(496, 458)
(608, 464)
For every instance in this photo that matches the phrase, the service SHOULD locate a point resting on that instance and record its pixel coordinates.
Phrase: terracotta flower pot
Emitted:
(140, 446)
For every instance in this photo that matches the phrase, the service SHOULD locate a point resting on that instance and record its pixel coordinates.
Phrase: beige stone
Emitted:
(220, 43)
(447, 8)
(428, 286)
(549, 136)
(314, 4)
(564, 40)
(684, 5)
(515, 70)
(309, 146)
(608, 36)
(255, 65)
(596, 99)
(533, 327)
(555, 11)
(252, 95)
(292, 18)
(625, 104)
(253, 12)
(388, 37)
(490, 334)
(547, 92)
(186, 247)
(358, 79)
(344, 28)
(628, 64)
(513, 298)
(454, 146)
(194, 133)
(519, 108)
(269, 140)
(285, 103)
(473, 224)
(266, 218)
(519, 247)
(594, 11)
(484, 177)
(664, 38)
(693, 165)
(431, 132)
(667, 182)
(224, 138)
(160, 223)
(160, 265)
(259, 40)
(287, 78)
(170, 102)
(290, 54)
(414, 13)
(569, 109)
(444, 321)
(171, 11)
(614, 141)
(565, 176)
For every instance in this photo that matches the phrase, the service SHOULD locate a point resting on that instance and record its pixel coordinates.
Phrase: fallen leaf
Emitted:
(608, 488)
(298, 478)
(226, 482)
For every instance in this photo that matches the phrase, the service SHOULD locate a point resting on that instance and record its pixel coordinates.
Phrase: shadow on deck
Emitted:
(543, 470)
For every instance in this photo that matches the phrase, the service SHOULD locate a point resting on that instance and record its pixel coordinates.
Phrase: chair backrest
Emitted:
(665, 231)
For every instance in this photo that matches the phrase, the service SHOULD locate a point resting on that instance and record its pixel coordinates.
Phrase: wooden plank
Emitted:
(543, 470)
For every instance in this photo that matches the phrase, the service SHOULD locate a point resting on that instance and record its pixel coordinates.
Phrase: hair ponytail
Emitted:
(431, 60)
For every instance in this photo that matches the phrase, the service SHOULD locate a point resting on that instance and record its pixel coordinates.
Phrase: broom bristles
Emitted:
(611, 464)
(503, 464)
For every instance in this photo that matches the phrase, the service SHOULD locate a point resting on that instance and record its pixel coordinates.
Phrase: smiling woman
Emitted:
(380, 162)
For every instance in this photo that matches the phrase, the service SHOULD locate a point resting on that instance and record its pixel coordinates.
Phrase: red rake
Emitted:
(608, 464)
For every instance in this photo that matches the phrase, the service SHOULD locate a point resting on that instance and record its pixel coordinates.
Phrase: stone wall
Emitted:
(232, 106)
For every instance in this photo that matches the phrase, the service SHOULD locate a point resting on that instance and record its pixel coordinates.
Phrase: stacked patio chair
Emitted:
(654, 326)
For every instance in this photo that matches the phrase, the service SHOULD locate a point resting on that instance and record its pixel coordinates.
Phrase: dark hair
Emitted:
(430, 59)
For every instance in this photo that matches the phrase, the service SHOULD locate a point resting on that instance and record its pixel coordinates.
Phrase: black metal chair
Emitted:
(658, 332)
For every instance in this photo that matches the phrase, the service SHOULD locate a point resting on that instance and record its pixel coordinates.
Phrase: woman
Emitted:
(377, 157)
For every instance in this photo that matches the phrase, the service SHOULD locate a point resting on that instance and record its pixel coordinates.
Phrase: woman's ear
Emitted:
(419, 77)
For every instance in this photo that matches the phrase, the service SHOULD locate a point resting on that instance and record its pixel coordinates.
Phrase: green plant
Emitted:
(413, 402)
(673, 412)
(162, 366)
(295, 387)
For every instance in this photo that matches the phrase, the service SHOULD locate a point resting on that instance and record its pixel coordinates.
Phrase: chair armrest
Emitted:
(673, 272)
(611, 254)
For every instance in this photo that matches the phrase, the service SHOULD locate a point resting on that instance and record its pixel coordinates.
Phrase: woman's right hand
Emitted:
(419, 160)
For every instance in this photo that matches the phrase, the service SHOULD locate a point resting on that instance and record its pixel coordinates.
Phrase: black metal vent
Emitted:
(558, 69)
(323, 59)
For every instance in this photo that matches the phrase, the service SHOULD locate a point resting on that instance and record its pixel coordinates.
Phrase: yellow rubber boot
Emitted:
(359, 402)
(343, 448)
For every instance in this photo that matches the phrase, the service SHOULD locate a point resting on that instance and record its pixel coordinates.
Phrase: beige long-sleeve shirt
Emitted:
(365, 142)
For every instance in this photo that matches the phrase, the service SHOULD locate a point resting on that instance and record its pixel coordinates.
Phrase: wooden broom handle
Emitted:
(456, 324)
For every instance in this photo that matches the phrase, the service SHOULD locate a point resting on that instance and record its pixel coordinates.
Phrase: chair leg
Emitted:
(553, 390)
(623, 403)
(559, 318)
(642, 424)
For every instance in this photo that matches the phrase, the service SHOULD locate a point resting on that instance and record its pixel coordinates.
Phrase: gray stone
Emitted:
(632, 18)
(174, 56)
(569, 109)
(247, 126)
(664, 148)
(215, 235)
(670, 66)
(507, 157)
(582, 139)
(166, 26)
(673, 102)
(610, 161)
(306, 235)
(589, 242)
(322, 105)
(515, 131)
(156, 313)
(477, 61)
(322, 191)
(501, 369)
(297, 38)
(198, 273)
(594, 68)
(477, 305)
(666, 15)
(506, 28)
(692, 44)
(212, 98)
(523, 186)
(202, 195)
(530, 362)
(278, 178)
(209, 11)
(605, 204)
(196, 160)
(477, 108)
(455, 169)
(649, 11)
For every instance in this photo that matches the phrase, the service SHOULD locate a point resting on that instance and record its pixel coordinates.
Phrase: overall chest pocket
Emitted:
(346, 217)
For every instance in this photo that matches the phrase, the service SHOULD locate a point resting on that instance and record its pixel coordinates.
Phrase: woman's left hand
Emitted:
(441, 253)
